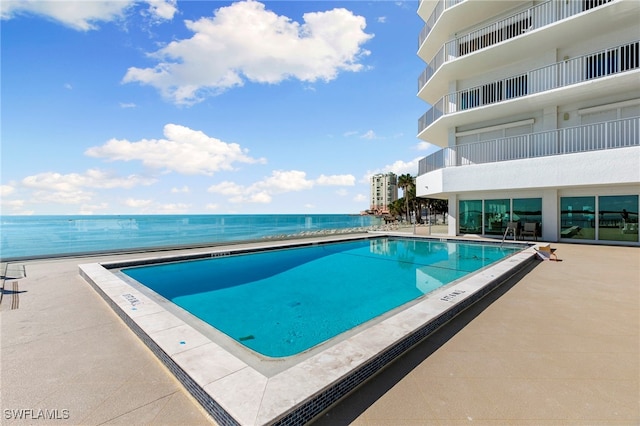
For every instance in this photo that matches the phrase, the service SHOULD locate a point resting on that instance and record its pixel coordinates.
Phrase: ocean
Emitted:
(24, 237)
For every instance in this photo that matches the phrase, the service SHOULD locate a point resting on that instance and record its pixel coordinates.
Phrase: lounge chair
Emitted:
(546, 253)
(530, 228)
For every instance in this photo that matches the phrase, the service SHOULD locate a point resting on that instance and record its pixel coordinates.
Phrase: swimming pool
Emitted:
(282, 302)
(240, 386)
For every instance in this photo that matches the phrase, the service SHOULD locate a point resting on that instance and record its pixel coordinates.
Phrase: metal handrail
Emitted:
(591, 137)
(433, 18)
(591, 66)
(515, 25)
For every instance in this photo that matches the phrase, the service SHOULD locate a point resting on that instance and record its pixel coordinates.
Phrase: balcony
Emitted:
(584, 68)
(440, 7)
(593, 137)
(519, 26)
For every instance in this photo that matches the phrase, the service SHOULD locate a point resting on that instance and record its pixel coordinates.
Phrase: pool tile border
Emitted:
(234, 393)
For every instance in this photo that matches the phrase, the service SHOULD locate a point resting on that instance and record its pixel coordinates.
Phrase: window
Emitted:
(590, 4)
(528, 210)
(516, 87)
(470, 214)
(630, 58)
(487, 39)
(470, 99)
(618, 218)
(496, 215)
(577, 218)
(622, 58)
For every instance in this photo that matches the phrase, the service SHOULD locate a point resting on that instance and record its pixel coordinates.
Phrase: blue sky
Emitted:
(164, 107)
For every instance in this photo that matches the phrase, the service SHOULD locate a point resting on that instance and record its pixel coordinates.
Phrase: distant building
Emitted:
(384, 191)
(536, 106)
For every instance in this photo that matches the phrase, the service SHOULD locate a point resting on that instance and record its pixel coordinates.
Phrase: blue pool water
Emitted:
(41, 236)
(283, 302)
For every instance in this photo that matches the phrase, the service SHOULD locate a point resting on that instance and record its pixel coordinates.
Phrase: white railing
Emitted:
(433, 18)
(591, 137)
(520, 23)
(561, 74)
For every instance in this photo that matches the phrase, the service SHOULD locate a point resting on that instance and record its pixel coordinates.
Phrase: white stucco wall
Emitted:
(610, 167)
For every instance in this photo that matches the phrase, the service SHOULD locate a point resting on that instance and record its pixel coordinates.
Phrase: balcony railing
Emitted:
(592, 137)
(571, 71)
(530, 19)
(435, 15)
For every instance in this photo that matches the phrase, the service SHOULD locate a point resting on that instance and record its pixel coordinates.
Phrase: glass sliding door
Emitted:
(470, 214)
(528, 210)
(496, 215)
(577, 218)
(618, 218)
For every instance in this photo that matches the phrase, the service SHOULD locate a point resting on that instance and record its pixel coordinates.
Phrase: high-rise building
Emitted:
(536, 108)
(384, 191)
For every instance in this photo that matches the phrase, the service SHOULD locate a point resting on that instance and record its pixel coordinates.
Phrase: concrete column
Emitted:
(550, 215)
(452, 219)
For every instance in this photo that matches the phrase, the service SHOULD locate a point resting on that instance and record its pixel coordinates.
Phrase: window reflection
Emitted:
(528, 210)
(496, 215)
(618, 218)
(577, 218)
(470, 214)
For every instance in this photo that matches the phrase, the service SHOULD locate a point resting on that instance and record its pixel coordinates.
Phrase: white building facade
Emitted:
(384, 191)
(536, 108)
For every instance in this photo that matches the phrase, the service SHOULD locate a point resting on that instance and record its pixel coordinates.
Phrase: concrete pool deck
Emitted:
(559, 347)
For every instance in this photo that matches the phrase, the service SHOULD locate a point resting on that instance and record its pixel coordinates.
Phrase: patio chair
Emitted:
(530, 228)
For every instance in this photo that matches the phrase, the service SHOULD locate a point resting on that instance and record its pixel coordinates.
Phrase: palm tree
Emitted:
(405, 182)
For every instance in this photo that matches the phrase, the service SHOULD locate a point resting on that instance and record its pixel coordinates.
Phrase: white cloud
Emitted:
(132, 202)
(227, 188)
(336, 180)
(73, 182)
(127, 105)
(285, 181)
(172, 208)
(268, 49)
(399, 167)
(279, 182)
(14, 204)
(261, 197)
(359, 198)
(88, 209)
(83, 15)
(342, 192)
(184, 151)
(62, 197)
(426, 146)
(72, 188)
(370, 134)
(212, 206)
(185, 189)
(6, 190)
(162, 9)
(382, 19)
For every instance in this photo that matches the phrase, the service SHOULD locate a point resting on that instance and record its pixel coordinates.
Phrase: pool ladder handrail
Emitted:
(513, 227)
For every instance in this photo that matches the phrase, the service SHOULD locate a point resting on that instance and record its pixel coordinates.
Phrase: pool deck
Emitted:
(561, 346)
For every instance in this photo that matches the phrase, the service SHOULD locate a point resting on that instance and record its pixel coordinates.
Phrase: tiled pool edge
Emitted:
(306, 405)
(208, 403)
(339, 389)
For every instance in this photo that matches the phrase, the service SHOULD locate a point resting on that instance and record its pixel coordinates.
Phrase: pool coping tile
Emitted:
(221, 381)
